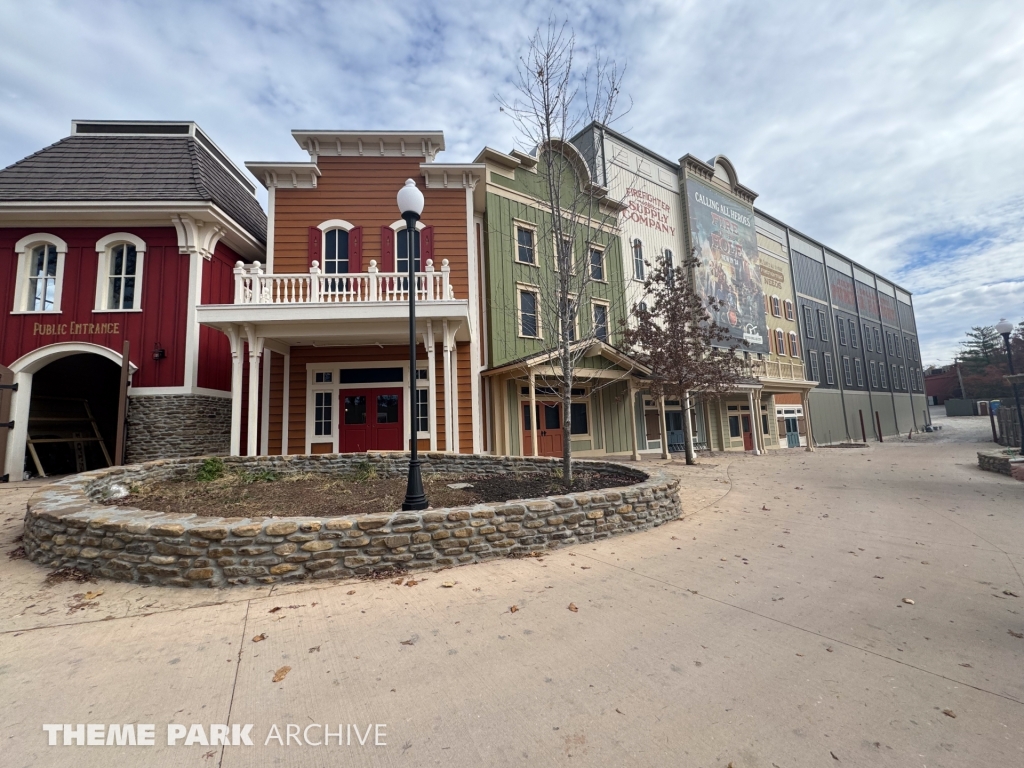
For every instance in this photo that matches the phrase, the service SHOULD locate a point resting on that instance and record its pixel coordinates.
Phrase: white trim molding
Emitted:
(24, 248)
(336, 224)
(103, 249)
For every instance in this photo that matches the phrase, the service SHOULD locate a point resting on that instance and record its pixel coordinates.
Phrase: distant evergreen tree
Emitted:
(984, 347)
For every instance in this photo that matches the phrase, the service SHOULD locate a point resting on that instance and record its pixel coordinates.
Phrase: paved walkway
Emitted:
(768, 628)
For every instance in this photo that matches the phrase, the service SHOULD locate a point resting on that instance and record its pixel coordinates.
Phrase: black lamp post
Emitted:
(410, 203)
(1004, 328)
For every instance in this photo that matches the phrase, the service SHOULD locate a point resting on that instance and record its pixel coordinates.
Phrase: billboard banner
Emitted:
(723, 239)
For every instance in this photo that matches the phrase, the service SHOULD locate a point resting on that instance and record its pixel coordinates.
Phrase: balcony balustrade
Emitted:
(254, 286)
(776, 369)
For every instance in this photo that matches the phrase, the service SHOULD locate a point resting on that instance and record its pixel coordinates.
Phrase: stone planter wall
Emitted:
(1002, 462)
(67, 525)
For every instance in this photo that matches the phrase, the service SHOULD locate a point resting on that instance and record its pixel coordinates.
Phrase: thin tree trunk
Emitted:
(688, 430)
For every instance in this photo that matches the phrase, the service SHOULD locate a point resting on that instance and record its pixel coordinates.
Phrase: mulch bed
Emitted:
(312, 495)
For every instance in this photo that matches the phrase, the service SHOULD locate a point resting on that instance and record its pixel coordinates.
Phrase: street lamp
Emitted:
(410, 203)
(1004, 328)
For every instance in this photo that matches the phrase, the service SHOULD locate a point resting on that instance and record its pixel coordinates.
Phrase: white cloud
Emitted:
(891, 132)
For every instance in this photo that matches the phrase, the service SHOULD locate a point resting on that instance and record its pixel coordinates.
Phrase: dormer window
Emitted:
(40, 273)
(119, 278)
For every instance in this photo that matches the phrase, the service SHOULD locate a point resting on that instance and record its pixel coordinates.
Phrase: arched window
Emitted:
(395, 249)
(335, 252)
(638, 260)
(40, 273)
(780, 342)
(789, 310)
(119, 276)
(794, 351)
(670, 273)
(776, 306)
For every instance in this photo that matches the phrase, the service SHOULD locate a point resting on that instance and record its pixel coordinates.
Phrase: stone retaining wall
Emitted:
(1002, 462)
(67, 525)
(166, 426)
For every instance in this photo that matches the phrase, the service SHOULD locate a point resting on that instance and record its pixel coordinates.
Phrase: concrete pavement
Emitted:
(767, 628)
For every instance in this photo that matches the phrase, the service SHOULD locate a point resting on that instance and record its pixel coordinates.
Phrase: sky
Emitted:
(891, 132)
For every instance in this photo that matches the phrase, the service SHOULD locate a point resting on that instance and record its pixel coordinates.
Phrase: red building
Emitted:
(117, 234)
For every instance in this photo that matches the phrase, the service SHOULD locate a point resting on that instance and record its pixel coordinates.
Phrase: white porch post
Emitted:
(255, 352)
(533, 414)
(455, 392)
(236, 389)
(446, 360)
(631, 415)
(428, 342)
(754, 419)
(807, 421)
(664, 427)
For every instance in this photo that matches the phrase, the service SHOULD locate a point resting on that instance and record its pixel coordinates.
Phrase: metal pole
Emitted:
(415, 497)
(1016, 393)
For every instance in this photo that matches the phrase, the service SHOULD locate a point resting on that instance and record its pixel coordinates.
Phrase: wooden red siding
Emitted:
(164, 303)
(214, 348)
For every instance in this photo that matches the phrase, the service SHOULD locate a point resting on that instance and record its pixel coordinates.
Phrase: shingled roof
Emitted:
(135, 168)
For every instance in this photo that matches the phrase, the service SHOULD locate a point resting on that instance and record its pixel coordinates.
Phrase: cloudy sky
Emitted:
(895, 135)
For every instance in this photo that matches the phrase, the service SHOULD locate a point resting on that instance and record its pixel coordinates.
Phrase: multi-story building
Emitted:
(319, 332)
(521, 334)
(110, 239)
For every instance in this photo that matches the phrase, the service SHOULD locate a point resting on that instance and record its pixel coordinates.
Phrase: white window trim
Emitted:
(572, 256)
(794, 345)
(24, 250)
(535, 290)
(103, 248)
(772, 299)
(591, 247)
(399, 225)
(789, 310)
(632, 260)
(607, 316)
(829, 368)
(518, 224)
(329, 226)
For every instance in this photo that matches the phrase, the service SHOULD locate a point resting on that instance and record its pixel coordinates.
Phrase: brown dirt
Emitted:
(312, 495)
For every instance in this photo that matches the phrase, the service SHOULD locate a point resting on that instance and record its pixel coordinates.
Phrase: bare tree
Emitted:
(686, 350)
(553, 101)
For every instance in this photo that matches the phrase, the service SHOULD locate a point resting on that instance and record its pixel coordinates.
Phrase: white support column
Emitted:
(664, 427)
(236, 389)
(285, 389)
(428, 342)
(454, 367)
(754, 422)
(533, 414)
(631, 415)
(265, 407)
(255, 352)
(446, 360)
(807, 421)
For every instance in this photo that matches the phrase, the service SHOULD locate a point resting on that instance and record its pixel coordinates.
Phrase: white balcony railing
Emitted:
(776, 369)
(253, 286)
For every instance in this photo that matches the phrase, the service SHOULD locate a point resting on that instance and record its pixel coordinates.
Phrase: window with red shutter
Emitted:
(315, 246)
(387, 250)
(427, 247)
(355, 249)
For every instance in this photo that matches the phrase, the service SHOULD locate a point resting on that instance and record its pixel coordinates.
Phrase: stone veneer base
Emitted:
(1011, 464)
(168, 426)
(67, 525)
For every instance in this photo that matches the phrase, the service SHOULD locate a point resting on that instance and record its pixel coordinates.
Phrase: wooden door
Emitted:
(6, 425)
(386, 426)
(748, 436)
(354, 429)
(549, 435)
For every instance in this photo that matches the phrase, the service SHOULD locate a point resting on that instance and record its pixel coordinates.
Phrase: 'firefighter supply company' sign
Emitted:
(723, 239)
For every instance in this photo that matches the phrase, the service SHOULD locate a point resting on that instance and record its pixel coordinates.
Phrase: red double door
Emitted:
(549, 434)
(371, 420)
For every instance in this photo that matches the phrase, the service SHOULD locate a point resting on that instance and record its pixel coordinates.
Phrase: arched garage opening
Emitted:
(72, 421)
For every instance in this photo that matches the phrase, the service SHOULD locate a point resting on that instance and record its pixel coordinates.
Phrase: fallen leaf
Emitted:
(281, 674)
(93, 595)
(829, 649)
(260, 637)
(1015, 634)
(1011, 594)
(410, 641)
(587, 567)
(908, 601)
(619, 711)
(448, 584)
(411, 583)
(573, 608)
(513, 608)
(274, 609)
(315, 649)
(350, 592)
(949, 713)
(924, 562)
(764, 508)
(966, 665)
(878, 577)
(398, 581)
(833, 755)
